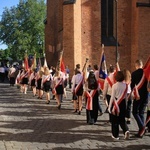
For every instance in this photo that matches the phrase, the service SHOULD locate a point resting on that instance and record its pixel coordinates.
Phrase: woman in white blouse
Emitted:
(117, 106)
(77, 88)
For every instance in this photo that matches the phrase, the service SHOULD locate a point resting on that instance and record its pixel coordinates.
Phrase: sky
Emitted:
(8, 4)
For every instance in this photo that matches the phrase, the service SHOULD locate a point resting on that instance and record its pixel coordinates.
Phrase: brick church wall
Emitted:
(82, 33)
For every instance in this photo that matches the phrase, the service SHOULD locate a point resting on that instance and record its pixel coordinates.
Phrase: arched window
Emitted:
(108, 22)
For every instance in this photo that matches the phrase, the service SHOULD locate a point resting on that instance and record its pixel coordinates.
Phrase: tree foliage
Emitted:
(22, 27)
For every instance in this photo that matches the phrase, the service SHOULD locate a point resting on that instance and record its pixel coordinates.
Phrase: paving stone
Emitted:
(27, 123)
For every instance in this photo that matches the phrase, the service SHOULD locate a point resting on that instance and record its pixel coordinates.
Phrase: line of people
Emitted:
(41, 81)
(118, 94)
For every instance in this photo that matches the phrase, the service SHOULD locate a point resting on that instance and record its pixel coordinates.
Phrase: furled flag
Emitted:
(117, 67)
(61, 63)
(102, 68)
(39, 64)
(116, 70)
(26, 65)
(33, 66)
(45, 62)
(62, 66)
(146, 68)
(34, 61)
(84, 70)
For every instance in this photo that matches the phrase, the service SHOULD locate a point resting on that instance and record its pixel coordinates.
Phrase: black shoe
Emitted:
(137, 136)
(47, 102)
(59, 106)
(79, 112)
(100, 114)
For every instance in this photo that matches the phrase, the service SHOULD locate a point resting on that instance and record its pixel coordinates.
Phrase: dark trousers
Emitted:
(99, 107)
(119, 120)
(148, 115)
(139, 107)
(2, 77)
(108, 101)
(12, 80)
(115, 122)
(128, 111)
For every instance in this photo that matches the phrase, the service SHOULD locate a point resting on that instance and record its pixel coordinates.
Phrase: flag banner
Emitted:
(26, 65)
(45, 62)
(117, 67)
(62, 66)
(33, 65)
(39, 64)
(34, 61)
(84, 70)
(116, 70)
(102, 69)
(146, 68)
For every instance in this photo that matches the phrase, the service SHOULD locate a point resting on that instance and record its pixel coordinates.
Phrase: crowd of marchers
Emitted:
(123, 93)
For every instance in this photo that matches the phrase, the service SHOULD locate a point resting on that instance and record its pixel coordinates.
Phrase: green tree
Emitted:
(22, 27)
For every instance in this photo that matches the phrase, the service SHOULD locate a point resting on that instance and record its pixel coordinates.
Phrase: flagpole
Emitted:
(101, 56)
(117, 54)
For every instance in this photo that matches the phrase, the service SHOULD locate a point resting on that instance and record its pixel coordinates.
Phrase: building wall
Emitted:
(53, 31)
(72, 35)
(82, 33)
(91, 39)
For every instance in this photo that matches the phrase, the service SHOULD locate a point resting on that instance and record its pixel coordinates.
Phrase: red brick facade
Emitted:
(77, 29)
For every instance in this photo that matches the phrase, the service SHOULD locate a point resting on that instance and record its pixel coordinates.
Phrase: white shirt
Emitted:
(117, 90)
(107, 88)
(96, 72)
(47, 77)
(57, 80)
(2, 69)
(76, 80)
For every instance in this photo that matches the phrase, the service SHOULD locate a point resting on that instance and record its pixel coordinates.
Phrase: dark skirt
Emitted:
(60, 89)
(46, 86)
(33, 82)
(12, 80)
(74, 96)
(80, 91)
(24, 81)
(92, 115)
(39, 84)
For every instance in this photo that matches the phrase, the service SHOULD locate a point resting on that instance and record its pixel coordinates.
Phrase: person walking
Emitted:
(92, 98)
(117, 107)
(38, 84)
(108, 83)
(32, 80)
(12, 75)
(127, 76)
(96, 72)
(2, 73)
(58, 87)
(140, 100)
(24, 80)
(46, 83)
(77, 88)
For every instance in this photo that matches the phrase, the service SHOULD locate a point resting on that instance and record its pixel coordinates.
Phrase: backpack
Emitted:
(92, 82)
